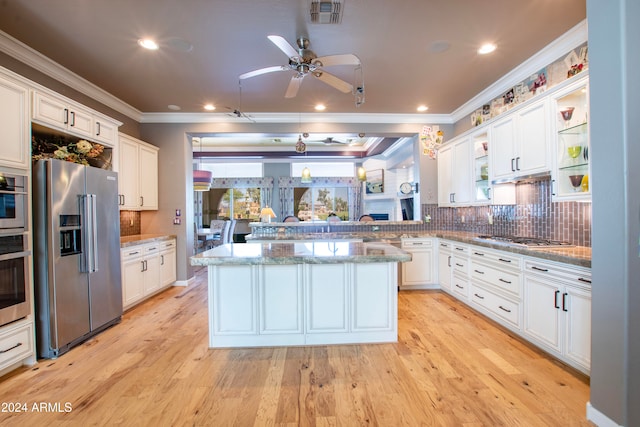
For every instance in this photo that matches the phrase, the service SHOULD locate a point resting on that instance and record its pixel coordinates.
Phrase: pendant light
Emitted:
(362, 174)
(306, 176)
(201, 178)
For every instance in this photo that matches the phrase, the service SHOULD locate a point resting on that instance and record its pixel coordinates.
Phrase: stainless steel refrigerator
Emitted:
(76, 232)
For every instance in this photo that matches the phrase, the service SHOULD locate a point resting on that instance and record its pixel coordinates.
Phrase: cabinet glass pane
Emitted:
(481, 167)
(573, 143)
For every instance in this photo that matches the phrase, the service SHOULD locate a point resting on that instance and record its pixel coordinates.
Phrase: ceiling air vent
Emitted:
(326, 11)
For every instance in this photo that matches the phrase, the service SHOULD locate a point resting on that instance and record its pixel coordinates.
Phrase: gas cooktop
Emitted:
(528, 242)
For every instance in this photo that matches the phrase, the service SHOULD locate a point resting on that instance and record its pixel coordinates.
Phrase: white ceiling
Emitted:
(206, 44)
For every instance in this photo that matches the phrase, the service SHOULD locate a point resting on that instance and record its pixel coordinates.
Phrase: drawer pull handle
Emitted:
(459, 265)
(582, 279)
(444, 245)
(479, 296)
(533, 267)
(134, 253)
(459, 287)
(478, 253)
(10, 348)
(504, 260)
(459, 249)
(504, 281)
(504, 309)
(479, 272)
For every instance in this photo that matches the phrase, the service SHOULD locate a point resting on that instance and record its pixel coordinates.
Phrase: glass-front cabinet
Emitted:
(480, 144)
(571, 180)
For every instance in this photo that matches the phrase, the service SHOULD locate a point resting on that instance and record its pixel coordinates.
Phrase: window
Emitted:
(318, 203)
(240, 203)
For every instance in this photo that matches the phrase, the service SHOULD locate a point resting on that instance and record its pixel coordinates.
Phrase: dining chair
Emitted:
(291, 218)
(366, 218)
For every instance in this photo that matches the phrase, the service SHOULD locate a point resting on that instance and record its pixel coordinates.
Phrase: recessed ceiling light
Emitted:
(173, 107)
(486, 48)
(148, 44)
(209, 107)
(422, 108)
(320, 107)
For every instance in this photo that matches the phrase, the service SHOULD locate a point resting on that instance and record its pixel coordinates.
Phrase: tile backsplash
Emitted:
(533, 215)
(129, 223)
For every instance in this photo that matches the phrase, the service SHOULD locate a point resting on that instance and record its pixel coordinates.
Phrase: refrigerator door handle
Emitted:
(85, 254)
(94, 233)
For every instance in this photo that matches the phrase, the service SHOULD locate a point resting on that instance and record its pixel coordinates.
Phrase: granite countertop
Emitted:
(327, 252)
(577, 255)
(141, 239)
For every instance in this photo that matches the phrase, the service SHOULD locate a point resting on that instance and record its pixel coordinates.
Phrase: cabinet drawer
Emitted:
(416, 243)
(501, 307)
(460, 265)
(504, 260)
(168, 244)
(460, 250)
(16, 344)
(460, 286)
(580, 276)
(131, 252)
(507, 280)
(445, 246)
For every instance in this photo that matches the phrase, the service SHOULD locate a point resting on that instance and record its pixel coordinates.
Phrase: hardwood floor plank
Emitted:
(450, 366)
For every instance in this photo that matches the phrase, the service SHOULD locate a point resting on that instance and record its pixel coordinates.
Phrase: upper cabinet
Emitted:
(454, 173)
(14, 124)
(138, 175)
(60, 113)
(572, 163)
(520, 143)
(481, 187)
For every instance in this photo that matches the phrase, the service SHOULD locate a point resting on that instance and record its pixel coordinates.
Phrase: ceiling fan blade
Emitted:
(294, 85)
(329, 60)
(263, 71)
(284, 46)
(334, 81)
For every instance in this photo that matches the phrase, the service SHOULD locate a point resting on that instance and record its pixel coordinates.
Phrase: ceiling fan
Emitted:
(304, 61)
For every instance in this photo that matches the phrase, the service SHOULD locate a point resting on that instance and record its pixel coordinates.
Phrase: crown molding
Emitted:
(296, 118)
(550, 53)
(34, 59)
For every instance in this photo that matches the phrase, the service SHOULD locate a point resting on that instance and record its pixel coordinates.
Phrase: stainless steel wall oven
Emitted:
(13, 202)
(14, 277)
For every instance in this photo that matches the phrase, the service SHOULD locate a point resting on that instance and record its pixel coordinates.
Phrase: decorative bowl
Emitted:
(576, 181)
(567, 112)
(574, 150)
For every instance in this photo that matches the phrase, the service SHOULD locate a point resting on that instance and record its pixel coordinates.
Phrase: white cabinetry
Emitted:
(302, 304)
(445, 268)
(146, 269)
(558, 310)
(496, 285)
(454, 173)
(420, 272)
(14, 124)
(138, 175)
(16, 344)
(460, 277)
(58, 112)
(520, 142)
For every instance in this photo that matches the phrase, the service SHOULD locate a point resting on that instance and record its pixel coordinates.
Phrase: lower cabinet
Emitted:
(558, 310)
(545, 302)
(445, 268)
(16, 345)
(302, 304)
(420, 272)
(147, 269)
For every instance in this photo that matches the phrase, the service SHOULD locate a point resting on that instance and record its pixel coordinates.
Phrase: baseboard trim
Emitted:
(598, 418)
(184, 283)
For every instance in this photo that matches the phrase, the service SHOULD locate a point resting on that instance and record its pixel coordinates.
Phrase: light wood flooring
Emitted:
(450, 367)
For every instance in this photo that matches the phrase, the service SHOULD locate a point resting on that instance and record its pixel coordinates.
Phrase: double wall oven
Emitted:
(14, 249)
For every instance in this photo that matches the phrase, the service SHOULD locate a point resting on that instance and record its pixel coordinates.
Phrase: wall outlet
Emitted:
(462, 219)
(490, 218)
(427, 219)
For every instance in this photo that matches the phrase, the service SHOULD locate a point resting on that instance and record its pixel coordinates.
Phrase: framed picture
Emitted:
(375, 181)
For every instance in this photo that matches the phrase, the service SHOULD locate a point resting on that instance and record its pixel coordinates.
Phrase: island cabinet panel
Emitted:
(281, 299)
(327, 298)
(373, 303)
(234, 300)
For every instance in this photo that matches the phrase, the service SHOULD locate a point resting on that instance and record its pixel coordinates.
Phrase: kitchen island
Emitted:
(306, 293)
